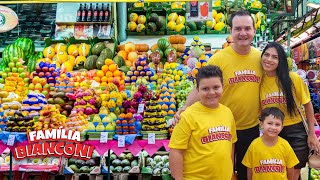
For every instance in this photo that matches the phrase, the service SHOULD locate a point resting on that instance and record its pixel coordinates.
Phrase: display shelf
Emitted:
(82, 23)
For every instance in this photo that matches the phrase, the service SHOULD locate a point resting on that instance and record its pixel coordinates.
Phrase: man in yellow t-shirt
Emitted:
(205, 135)
(242, 72)
(270, 156)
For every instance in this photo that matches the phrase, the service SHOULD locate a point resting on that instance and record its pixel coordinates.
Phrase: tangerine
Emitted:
(110, 79)
(105, 68)
(117, 73)
(109, 74)
(129, 115)
(113, 67)
(100, 73)
(103, 84)
(108, 62)
(104, 79)
(123, 54)
(97, 79)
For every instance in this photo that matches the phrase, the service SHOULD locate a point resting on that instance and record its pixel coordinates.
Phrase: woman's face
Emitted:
(270, 61)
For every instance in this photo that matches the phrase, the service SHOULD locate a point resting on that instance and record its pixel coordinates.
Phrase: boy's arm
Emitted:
(249, 173)
(191, 99)
(232, 155)
(290, 173)
(176, 163)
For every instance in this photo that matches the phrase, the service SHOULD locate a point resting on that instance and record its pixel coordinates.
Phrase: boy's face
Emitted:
(210, 90)
(272, 126)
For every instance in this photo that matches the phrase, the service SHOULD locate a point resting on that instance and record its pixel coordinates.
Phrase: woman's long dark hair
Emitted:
(284, 80)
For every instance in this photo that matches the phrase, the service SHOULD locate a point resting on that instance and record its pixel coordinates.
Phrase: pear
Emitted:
(96, 118)
(110, 127)
(91, 126)
(103, 110)
(113, 116)
(100, 127)
(107, 119)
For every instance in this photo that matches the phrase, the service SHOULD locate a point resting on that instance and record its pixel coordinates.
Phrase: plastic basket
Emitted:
(201, 31)
(210, 31)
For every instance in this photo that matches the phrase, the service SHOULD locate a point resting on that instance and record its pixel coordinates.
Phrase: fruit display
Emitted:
(50, 118)
(157, 165)
(176, 21)
(101, 123)
(112, 100)
(314, 174)
(83, 166)
(47, 71)
(166, 100)
(127, 124)
(124, 163)
(140, 96)
(186, 87)
(62, 102)
(99, 54)
(76, 122)
(137, 22)
(20, 123)
(139, 70)
(153, 116)
(33, 104)
(156, 22)
(218, 21)
(86, 101)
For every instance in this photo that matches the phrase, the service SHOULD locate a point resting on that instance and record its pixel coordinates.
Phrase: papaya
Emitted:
(100, 61)
(118, 60)
(91, 62)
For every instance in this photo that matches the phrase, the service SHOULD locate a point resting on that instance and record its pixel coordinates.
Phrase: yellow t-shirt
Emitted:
(272, 96)
(270, 162)
(207, 136)
(241, 79)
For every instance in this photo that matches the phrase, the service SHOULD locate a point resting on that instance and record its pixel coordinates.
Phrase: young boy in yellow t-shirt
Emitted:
(270, 156)
(202, 143)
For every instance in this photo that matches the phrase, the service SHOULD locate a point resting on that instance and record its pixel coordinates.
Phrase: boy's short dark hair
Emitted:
(241, 12)
(274, 111)
(209, 72)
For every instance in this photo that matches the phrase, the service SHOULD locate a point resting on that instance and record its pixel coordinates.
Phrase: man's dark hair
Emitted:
(274, 111)
(241, 12)
(209, 72)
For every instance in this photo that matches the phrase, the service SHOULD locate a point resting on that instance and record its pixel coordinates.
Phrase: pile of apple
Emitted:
(139, 70)
(106, 124)
(40, 85)
(48, 71)
(86, 101)
(33, 104)
(140, 97)
(50, 118)
(127, 124)
(14, 66)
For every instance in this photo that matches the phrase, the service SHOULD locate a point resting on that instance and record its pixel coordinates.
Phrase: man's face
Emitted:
(242, 31)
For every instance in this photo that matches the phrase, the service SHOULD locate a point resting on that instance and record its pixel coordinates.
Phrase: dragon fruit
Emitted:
(134, 103)
(126, 104)
(92, 101)
(147, 96)
(71, 96)
(142, 88)
(131, 110)
(137, 95)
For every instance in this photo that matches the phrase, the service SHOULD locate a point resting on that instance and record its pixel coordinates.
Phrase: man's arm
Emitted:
(192, 98)
(249, 173)
(290, 173)
(176, 163)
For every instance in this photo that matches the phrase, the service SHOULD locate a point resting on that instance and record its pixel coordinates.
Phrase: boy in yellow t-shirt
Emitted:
(270, 156)
(202, 143)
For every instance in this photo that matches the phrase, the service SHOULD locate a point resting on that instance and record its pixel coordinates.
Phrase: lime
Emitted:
(7, 70)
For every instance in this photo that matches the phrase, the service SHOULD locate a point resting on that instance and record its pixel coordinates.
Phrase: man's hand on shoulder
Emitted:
(177, 115)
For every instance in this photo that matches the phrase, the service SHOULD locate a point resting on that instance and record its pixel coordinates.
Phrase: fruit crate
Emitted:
(211, 31)
(155, 165)
(73, 166)
(201, 31)
(139, 11)
(180, 12)
(253, 10)
(160, 12)
(158, 6)
(136, 9)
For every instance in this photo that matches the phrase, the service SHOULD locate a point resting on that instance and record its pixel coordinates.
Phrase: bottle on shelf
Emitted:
(84, 13)
(79, 13)
(107, 14)
(95, 17)
(89, 13)
(101, 13)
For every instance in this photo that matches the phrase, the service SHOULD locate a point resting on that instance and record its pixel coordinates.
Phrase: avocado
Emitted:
(60, 95)
(51, 101)
(58, 101)
(161, 22)
(153, 17)
(80, 163)
(91, 162)
(74, 168)
(125, 162)
(84, 169)
(67, 107)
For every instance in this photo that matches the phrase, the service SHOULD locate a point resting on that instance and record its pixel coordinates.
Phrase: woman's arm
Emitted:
(290, 173)
(176, 163)
(249, 173)
(313, 142)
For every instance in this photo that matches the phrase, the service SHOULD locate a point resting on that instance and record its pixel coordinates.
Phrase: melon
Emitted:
(91, 62)
(118, 60)
(152, 26)
(107, 52)
(97, 48)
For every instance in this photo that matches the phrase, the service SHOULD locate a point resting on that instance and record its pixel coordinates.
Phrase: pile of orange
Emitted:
(109, 73)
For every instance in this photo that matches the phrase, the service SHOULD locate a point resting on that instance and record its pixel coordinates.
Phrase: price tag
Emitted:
(103, 137)
(140, 108)
(151, 138)
(95, 84)
(121, 141)
(11, 139)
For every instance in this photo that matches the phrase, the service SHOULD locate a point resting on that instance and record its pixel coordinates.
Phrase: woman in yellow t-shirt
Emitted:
(286, 90)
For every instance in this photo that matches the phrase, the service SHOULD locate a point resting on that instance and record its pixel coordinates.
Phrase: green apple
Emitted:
(4, 75)
(18, 64)
(7, 70)
(11, 64)
(44, 93)
(1, 80)
(20, 70)
(14, 70)
(22, 75)
(15, 59)
(26, 80)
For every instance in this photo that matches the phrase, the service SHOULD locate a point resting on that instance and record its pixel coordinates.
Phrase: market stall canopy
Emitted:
(8, 19)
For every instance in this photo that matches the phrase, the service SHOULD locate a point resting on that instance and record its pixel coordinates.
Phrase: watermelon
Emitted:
(31, 66)
(192, 25)
(10, 52)
(100, 61)
(91, 62)
(118, 60)
(26, 44)
(163, 43)
(97, 48)
(160, 52)
(107, 52)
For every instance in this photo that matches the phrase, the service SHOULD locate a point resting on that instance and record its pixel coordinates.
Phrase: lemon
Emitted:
(180, 73)
(220, 17)
(214, 13)
(140, 27)
(181, 20)
(171, 25)
(175, 72)
(173, 17)
(211, 24)
(217, 3)
(219, 26)
(133, 17)
(142, 19)
(177, 78)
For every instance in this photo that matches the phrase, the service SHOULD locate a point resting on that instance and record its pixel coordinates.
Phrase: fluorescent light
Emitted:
(313, 3)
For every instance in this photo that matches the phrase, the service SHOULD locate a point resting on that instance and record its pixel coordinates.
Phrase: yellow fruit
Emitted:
(257, 24)
(49, 52)
(73, 50)
(84, 49)
(129, 47)
(181, 20)
(177, 78)
(216, 3)
(256, 4)
(220, 17)
(176, 5)
(60, 47)
(133, 17)
(171, 25)
(80, 59)
(219, 26)
(179, 27)
(62, 57)
(72, 59)
(173, 16)
(214, 13)
(132, 26)
(138, 4)
(142, 19)
(211, 24)
(68, 66)
(261, 16)
(140, 27)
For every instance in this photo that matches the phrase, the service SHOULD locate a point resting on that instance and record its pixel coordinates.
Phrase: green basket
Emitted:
(180, 12)
(139, 11)
(201, 31)
(160, 12)
(210, 31)
(255, 10)
(135, 33)
(182, 32)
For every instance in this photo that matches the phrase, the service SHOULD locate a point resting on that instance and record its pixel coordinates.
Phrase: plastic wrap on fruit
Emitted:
(172, 57)
(155, 57)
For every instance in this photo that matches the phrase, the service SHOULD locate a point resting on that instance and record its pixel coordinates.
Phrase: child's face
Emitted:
(272, 126)
(210, 90)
